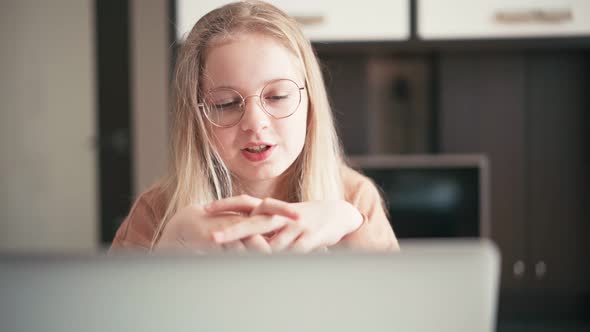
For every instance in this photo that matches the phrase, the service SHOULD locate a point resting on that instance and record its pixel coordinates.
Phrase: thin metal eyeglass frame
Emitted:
(201, 106)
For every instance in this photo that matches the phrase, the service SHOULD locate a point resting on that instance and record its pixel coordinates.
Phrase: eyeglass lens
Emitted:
(225, 107)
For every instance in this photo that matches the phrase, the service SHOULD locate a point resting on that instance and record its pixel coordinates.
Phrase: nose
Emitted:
(255, 118)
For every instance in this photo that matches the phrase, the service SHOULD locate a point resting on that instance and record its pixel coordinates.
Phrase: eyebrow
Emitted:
(264, 83)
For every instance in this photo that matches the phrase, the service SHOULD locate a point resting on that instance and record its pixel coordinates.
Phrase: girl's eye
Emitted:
(277, 97)
(227, 105)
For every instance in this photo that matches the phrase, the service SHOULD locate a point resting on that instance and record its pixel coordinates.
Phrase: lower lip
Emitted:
(258, 156)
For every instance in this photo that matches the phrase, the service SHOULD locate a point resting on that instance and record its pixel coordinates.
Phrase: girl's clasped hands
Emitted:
(245, 223)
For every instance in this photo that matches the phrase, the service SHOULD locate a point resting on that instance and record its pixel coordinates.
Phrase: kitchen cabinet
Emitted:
(482, 110)
(528, 112)
(324, 21)
(558, 181)
(465, 19)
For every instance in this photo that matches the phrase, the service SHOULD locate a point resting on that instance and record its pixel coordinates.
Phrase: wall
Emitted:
(47, 126)
(150, 55)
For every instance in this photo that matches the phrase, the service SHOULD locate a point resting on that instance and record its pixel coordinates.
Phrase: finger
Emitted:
(235, 246)
(175, 242)
(283, 239)
(275, 206)
(241, 203)
(304, 244)
(322, 249)
(259, 224)
(257, 243)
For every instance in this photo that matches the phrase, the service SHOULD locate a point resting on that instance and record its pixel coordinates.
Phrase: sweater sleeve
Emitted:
(375, 233)
(137, 230)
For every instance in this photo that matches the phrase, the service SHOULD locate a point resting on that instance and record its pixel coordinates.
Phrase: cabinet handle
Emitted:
(551, 16)
(309, 20)
(540, 269)
(518, 269)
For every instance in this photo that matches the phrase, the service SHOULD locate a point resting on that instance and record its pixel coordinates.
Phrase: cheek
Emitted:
(222, 140)
(298, 129)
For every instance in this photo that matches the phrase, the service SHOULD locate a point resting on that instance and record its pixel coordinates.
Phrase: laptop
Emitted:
(443, 286)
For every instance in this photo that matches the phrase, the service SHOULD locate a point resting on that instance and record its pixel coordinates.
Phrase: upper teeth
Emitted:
(257, 148)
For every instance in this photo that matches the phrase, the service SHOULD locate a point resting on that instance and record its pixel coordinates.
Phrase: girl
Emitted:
(255, 161)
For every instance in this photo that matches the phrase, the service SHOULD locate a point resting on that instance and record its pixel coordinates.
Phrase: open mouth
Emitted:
(257, 149)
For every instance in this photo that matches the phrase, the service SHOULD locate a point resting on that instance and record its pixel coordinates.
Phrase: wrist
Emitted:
(360, 221)
(356, 221)
(356, 217)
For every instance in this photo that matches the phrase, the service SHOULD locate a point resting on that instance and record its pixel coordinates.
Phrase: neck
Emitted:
(260, 189)
(274, 188)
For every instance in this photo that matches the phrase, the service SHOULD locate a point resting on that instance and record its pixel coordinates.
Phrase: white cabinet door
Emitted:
(330, 20)
(468, 19)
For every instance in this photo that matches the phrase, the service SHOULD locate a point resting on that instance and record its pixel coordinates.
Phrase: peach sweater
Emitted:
(137, 230)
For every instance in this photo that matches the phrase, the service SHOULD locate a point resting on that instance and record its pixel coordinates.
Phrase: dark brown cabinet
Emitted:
(528, 111)
(522, 97)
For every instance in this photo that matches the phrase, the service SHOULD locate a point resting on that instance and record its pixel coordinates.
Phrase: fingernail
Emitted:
(218, 236)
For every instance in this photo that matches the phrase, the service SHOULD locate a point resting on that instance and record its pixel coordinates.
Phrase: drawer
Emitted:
(467, 19)
(323, 20)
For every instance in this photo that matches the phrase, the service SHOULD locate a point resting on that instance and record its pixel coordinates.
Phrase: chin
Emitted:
(262, 173)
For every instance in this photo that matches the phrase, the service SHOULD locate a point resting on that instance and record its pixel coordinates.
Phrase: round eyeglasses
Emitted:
(225, 107)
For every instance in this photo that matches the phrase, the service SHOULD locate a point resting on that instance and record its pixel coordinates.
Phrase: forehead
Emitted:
(247, 62)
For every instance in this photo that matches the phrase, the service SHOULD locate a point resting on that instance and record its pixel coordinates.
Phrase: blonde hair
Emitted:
(197, 175)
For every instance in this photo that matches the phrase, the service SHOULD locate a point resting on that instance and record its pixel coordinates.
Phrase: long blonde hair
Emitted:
(197, 175)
